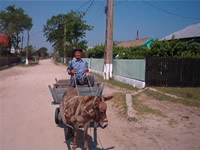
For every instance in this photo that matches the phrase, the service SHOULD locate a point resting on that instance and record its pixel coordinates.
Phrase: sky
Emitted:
(152, 18)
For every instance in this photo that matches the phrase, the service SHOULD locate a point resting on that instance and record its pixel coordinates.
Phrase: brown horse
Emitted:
(80, 111)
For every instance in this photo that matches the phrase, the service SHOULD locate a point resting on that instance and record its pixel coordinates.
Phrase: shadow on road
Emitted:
(92, 142)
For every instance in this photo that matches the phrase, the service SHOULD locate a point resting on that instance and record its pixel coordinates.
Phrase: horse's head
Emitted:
(100, 108)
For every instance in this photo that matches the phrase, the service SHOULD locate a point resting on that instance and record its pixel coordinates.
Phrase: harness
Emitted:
(77, 116)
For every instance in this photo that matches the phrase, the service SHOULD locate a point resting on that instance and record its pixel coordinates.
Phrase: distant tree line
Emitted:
(13, 23)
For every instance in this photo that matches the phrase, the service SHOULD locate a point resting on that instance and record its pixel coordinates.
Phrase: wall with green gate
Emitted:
(129, 68)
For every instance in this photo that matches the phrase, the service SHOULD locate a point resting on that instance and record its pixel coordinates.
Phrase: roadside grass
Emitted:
(56, 63)
(163, 97)
(113, 82)
(59, 63)
(184, 92)
(119, 101)
(31, 63)
(141, 108)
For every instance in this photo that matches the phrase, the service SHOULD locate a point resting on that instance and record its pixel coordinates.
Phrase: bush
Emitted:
(173, 48)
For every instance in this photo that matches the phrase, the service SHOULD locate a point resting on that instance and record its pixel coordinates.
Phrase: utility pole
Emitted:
(22, 42)
(65, 30)
(108, 51)
(27, 47)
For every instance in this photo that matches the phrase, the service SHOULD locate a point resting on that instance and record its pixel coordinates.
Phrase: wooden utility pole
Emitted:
(65, 30)
(27, 47)
(108, 51)
(22, 42)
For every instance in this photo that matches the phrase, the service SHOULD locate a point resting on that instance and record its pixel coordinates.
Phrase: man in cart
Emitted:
(78, 69)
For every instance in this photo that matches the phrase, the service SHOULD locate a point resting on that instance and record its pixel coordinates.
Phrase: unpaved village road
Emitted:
(27, 118)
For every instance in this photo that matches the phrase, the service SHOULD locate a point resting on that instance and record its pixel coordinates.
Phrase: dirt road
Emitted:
(27, 118)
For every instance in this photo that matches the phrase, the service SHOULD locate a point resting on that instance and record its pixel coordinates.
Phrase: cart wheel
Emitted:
(56, 115)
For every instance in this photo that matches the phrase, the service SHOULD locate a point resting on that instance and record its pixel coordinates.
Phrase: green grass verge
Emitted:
(31, 63)
(115, 82)
(144, 109)
(185, 92)
(163, 97)
(59, 63)
(119, 101)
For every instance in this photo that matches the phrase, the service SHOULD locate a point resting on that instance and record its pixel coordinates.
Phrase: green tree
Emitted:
(76, 29)
(96, 52)
(31, 51)
(42, 52)
(13, 22)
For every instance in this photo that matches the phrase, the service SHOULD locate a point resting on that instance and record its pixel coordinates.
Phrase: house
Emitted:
(4, 42)
(138, 42)
(188, 33)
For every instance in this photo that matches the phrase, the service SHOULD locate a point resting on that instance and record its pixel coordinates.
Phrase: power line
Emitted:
(98, 12)
(120, 3)
(82, 5)
(169, 12)
(36, 33)
(89, 7)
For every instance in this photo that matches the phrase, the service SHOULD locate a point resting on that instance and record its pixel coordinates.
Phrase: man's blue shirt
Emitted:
(78, 66)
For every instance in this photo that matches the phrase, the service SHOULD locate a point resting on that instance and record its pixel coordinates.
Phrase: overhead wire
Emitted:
(100, 15)
(85, 12)
(99, 12)
(120, 3)
(169, 12)
(83, 5)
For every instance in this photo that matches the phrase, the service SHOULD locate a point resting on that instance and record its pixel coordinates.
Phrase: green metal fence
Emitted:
(60, 59)
(130, 68)
(95, 63)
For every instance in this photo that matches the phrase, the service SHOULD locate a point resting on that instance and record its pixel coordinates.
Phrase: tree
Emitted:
(42, 52)
(31, 51)
(13, 22)
(96, 52)
(76, 29)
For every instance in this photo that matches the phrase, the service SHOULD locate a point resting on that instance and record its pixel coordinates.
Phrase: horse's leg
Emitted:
(75, 137)
(85, 137)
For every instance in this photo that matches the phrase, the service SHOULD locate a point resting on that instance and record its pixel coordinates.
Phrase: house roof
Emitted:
(191, 31)
(133, 43)
(4, 40)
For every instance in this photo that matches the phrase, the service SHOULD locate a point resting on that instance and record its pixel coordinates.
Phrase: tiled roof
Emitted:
(4, 40)
(133, 43)
(191, 31)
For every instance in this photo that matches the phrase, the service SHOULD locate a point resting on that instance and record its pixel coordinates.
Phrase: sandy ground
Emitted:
(27, 118)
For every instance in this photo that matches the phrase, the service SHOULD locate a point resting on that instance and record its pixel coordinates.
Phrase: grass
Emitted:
(163, 97)
(185, 92)
(144, 109)
(119, 101)
(60, 63)
(115, 83)
(31, 63)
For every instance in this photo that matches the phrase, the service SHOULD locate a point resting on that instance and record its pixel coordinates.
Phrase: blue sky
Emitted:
(157, 19)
